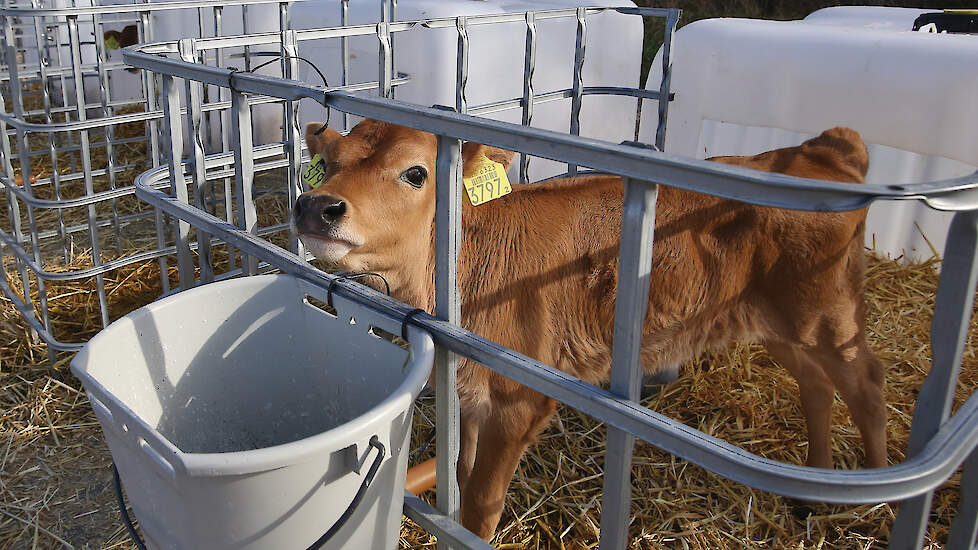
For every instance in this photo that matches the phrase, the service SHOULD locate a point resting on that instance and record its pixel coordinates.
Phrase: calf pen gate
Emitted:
(939, 444)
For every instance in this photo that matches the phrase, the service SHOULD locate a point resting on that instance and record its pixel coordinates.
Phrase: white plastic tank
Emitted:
(883, 18)
(745, 86)
(496, 58)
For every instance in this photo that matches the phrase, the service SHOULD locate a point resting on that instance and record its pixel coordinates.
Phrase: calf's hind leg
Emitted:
(853, 370)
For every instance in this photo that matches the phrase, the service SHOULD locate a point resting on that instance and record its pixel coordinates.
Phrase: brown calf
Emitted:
(538, 272)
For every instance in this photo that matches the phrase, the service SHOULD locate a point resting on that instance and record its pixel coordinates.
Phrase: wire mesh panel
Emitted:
(80, 124)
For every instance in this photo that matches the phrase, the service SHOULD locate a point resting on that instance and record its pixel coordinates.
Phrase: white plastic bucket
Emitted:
(241, 415)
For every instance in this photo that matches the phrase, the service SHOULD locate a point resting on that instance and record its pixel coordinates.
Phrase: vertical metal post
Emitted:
(384, 54)
(145, 29)
(149, 89)
(964, 528)
(13, 208)
(86, 159)
(61, 48)
(577, 88)
(283, 25)
(178, 184)
(631, 306)
(43, 59)
(529, 66)
(462, 68)
(448, 226)
(392, 16)
(344, 51)
(244, 172)
(948, 333)
(195, 100)
(10, 52)
(672, 19)
(293, 140)
(244, 30)
(202, 58)
(224, 94)
(108, 131)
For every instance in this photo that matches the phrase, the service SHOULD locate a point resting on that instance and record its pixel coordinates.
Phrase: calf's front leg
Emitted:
(504, 434)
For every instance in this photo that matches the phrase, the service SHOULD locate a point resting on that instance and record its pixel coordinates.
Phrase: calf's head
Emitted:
(375, 209)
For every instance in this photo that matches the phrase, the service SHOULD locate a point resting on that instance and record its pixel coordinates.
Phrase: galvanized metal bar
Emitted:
(577, 93)
(104, 98)
(393, 18)
(195, 164)
(145, 31)
(13, 208)
(125, 8)
(948, 334)
(672, 19)
(762, 188)
(940, 458)
(244, 31)
(529, 66)
(517, 103)
(244, 172)
(43, 60)
(86, 161)
(293, 138)
(344, 52)
(448, 227)
(202, 33)
(283, 25)
(964, 528)
(443, 527)
(65, 70)
(384, 57)
(178, 183)
(224, 95)
(631, 307)
(10, 54)
(462, 65)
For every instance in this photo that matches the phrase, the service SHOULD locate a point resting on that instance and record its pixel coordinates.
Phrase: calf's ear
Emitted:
(318, 141)
(472, 151)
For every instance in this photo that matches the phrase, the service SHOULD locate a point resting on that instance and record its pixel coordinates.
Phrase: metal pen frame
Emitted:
(48, 57)
(940, 443)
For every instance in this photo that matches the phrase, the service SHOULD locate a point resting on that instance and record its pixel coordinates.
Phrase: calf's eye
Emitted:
(415, 176)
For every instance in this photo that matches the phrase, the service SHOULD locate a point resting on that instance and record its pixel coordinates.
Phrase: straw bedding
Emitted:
(55, 483)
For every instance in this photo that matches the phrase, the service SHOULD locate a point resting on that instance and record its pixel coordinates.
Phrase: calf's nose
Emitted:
(317, 212)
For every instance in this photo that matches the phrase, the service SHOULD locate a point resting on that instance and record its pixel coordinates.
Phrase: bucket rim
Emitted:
(418, 363)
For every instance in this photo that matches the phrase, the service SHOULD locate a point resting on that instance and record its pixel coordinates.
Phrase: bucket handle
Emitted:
(367, 480)
(347, 514)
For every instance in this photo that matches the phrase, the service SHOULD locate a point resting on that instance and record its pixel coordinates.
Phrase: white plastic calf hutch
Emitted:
(744, 86)
(939, 443)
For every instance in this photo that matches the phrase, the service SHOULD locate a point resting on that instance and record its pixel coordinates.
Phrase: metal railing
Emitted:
(939, 443)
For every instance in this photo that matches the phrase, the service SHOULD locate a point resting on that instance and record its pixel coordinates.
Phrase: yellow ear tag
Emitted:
(111, 43)
(487, 182)
(314, 174)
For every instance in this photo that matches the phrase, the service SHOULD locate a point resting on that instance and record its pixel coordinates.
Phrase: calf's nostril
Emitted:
(334, 209)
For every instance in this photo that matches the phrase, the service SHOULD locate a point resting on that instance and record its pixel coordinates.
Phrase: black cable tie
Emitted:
(232, 70)
(339, 276)
(350, 276)
(406, 320)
